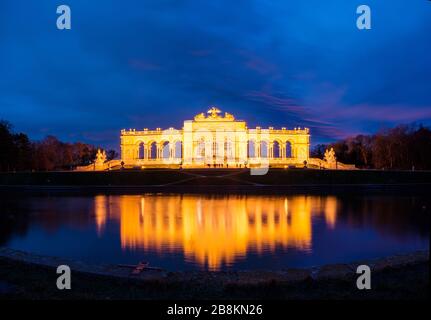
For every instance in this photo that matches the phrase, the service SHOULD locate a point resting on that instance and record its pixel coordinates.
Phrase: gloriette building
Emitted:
(215, 140)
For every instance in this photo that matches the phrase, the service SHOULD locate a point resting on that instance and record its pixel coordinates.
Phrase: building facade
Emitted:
(215, 140)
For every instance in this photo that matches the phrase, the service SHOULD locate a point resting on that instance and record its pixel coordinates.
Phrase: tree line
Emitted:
(405, 147)
(19, 153)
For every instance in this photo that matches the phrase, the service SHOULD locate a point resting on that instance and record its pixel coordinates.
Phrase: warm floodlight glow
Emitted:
(213, 232)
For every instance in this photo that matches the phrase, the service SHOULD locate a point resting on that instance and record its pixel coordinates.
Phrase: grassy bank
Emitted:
(399, 277)
(214, 177)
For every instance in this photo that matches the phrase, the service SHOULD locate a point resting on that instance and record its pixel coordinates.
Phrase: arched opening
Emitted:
(152, 150)
(165, 150)
(141, 150)
(251, 149)
(276, 147)
(200, 152)
(228, 150)
(264, 149)
(288, 150)
(178, 150)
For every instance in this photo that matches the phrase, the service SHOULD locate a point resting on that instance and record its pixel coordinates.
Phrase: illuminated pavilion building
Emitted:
(215, 140)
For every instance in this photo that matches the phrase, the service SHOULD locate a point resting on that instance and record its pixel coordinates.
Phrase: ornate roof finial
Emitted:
(214, 114)
(214, 111)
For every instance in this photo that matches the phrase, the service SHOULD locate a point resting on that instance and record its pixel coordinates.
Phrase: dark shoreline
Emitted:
(219, 181)
(316, 189)
(29, 276)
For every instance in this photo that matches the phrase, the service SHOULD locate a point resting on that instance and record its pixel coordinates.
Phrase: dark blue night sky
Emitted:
(136, 64)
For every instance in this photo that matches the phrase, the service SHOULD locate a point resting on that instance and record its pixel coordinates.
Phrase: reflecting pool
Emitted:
(235, 232)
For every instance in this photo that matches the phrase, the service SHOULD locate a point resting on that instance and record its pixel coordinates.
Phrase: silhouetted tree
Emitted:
(402, 147)
(15, 149)
(23, 152)
(6, 143)
(111, 154)
(19, 153)
(318, 151)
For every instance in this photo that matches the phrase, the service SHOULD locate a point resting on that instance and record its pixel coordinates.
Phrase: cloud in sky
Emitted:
(145, 63)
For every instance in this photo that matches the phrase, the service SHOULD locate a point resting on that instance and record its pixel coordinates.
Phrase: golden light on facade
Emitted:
(213, 231)
(214, 139)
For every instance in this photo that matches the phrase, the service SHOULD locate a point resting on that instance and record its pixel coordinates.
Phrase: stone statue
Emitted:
(330, 158)
(100, 157)
(200, 116)
(229, 116)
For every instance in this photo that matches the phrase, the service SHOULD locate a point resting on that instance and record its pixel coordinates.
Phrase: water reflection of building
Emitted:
(214, 230)
(100, 213)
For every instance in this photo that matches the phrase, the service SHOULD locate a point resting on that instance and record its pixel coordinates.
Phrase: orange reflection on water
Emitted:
(100, 213)
(215, 230)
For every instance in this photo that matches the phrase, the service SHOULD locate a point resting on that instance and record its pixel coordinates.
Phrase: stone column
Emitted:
(293, 150)
(257, 149)
(188, 145)
(159, 150)
(283, 151)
